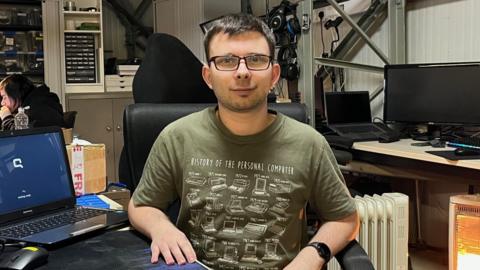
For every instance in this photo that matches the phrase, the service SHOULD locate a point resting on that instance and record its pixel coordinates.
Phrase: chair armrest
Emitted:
(354, 257)
(342, 157)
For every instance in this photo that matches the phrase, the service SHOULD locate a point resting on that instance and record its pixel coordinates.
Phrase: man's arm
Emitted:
(335, 234)
(167, 239)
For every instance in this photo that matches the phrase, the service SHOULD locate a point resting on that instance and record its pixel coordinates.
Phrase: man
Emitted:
(243, 173)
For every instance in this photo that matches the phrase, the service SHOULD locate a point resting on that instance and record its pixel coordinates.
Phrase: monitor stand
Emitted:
(433, 137)
(433, 132)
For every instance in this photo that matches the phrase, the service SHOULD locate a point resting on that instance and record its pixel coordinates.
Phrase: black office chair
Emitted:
(143, 122)
(69, 118)
(170, 73)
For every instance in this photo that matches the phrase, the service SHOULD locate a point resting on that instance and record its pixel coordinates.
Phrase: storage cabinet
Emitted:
(100, 120)
(21, 39)
(82, 46)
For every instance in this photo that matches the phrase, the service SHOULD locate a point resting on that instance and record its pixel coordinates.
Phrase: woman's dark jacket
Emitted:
(45, 109)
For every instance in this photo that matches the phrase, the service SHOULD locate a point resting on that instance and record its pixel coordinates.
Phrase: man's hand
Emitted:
(307, 258)
(173, 245)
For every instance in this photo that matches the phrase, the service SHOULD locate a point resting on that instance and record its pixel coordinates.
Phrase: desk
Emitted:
(113, 249)
(400, 159)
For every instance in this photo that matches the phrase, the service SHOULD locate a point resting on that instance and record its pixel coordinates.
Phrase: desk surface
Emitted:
(404, 149)
(112, 249)
(401, 159)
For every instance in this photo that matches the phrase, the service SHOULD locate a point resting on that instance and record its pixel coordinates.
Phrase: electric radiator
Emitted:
(383, 230)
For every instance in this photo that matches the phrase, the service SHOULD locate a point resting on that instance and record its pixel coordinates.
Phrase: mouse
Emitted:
(25, 258)
(388, 137)
(465, 152)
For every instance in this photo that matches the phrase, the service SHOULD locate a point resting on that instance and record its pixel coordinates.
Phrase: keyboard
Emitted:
(358, 129)
(50, 222)
(470, 143)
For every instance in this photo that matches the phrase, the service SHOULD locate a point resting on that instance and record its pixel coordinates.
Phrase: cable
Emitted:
(4, 244)
(321, 15)
(267, 10)
(335, 40)
(119, 184)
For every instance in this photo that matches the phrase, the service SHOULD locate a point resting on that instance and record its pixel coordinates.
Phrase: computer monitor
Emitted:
(434, 94)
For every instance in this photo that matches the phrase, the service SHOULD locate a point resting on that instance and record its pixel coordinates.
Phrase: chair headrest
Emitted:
(170, 73)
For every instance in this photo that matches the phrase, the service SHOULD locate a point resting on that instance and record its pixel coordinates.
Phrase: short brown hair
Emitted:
(235, 24)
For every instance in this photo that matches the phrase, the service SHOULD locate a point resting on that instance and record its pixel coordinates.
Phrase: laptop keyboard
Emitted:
(358, 129)
(50, 222)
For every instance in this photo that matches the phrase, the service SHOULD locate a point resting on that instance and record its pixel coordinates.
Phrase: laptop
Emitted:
(37, 199)
(349, 115)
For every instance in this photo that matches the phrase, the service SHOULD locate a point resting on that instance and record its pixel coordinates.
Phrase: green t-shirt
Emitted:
(243, 197)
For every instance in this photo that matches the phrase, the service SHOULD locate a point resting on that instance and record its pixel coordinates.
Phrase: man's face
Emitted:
(240, 90)
(6, 100)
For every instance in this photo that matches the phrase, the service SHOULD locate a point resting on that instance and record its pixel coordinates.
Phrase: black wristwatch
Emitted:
(322, 249)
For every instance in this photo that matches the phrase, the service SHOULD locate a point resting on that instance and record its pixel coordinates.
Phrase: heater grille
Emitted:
(464, 232)
(383, 230)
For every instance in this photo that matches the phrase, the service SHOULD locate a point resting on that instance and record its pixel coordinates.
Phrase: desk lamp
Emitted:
(464, 232)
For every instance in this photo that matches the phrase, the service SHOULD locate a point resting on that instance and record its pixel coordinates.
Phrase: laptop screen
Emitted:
(348, 107)
(33, 170)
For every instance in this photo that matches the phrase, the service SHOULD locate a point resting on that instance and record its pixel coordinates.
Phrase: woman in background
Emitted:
(18, 91)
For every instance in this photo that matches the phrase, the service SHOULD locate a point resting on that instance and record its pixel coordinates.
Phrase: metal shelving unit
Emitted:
(305, 10)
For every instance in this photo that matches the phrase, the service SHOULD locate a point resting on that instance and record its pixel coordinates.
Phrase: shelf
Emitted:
(23, 73)
(84, 88)
(83, 31)
(14, 53)
(86, 44)
(22, 2)
(83, 84)
(20, 28)
(82, 13)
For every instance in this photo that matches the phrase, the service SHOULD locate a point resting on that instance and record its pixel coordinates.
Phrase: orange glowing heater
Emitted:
(464, 232)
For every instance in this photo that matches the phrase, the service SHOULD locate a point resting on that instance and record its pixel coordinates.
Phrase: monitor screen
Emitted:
(348, 107)
(33, 171)
(433, 93)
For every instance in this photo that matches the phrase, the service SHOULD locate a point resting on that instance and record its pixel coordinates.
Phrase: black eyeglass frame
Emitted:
(212, 59)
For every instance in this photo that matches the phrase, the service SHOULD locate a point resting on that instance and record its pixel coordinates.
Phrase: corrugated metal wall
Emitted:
(113, 35)
(114, 31)
(437, 31)
(443, 31)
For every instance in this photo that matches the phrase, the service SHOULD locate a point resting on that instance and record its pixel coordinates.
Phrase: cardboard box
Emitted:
(89, 168)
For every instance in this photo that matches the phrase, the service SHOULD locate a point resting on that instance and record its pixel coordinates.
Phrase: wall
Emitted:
(437, 31)
(182, 19)
(114, 31)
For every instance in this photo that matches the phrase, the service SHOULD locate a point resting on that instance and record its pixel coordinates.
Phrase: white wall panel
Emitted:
(114, 31)
(113, 35)
(191, 15)
(443, 31)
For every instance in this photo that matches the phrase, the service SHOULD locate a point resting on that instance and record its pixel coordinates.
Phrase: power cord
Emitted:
(334, 23)
(321, 15)
(4, 244)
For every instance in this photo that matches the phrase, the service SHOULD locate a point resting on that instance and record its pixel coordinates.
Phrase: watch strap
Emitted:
(322, 249)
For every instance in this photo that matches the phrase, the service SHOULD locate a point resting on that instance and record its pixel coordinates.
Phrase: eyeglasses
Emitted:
(231, 62)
